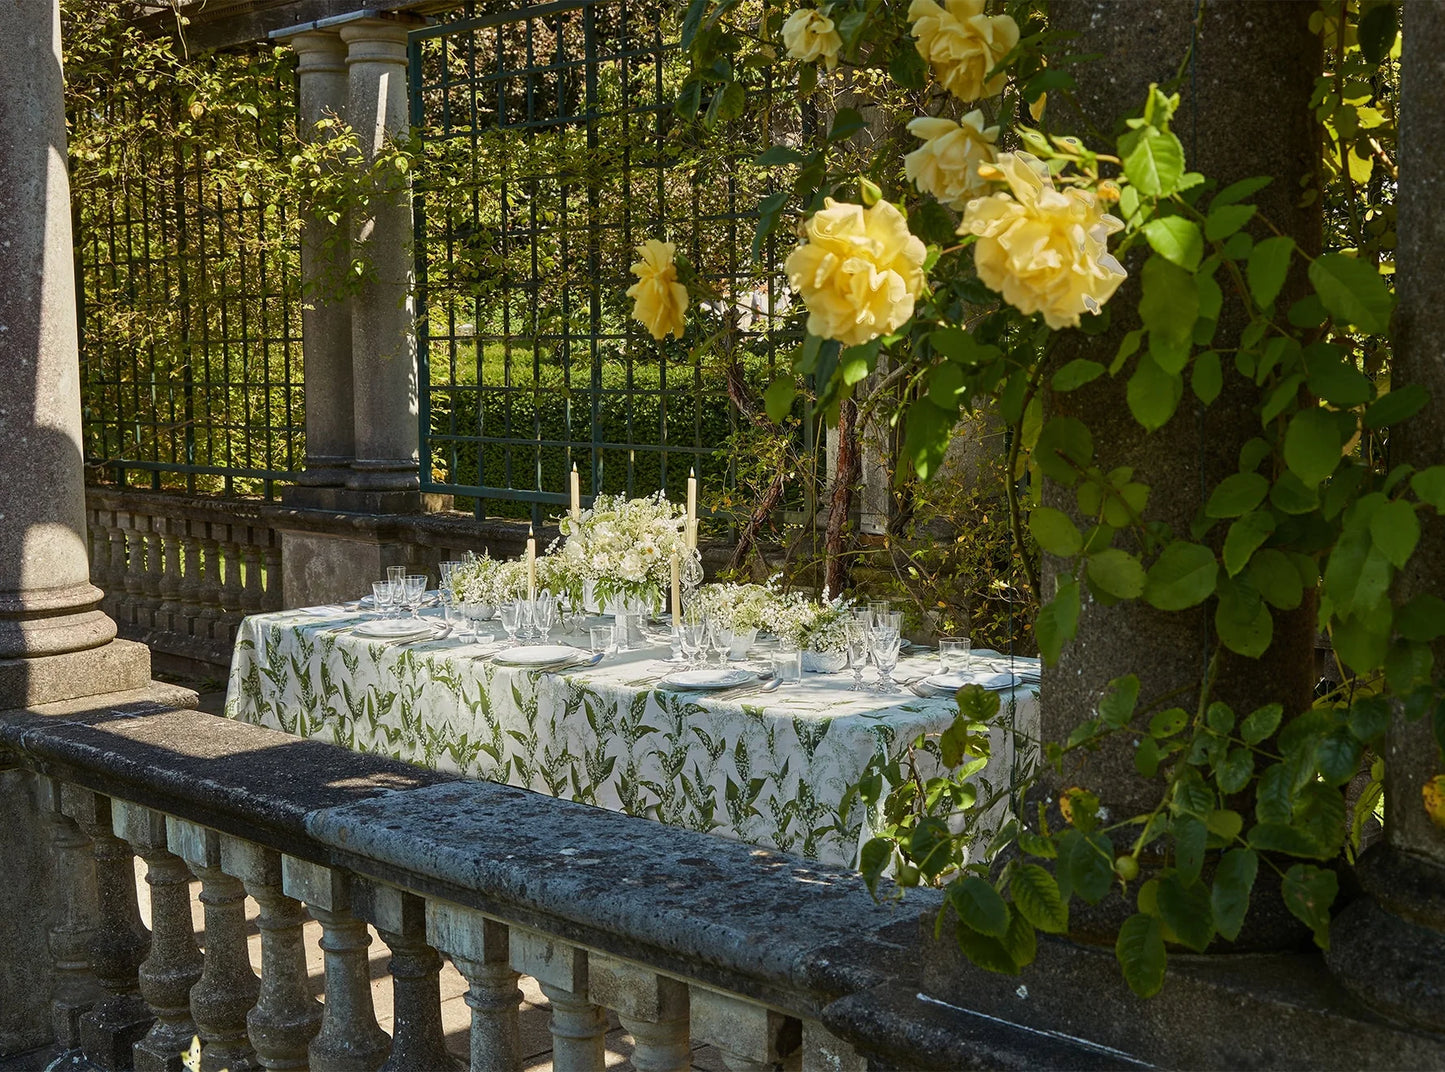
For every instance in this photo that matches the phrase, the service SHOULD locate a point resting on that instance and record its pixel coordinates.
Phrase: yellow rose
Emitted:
(963, 44)
(859, 271)
(809, 35)
(660, 298)
(1044, 250)
(946, 165)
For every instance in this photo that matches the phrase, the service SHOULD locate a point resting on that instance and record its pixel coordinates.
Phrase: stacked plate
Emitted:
(538, 655)
(948, 684)
(718, 678)
(395, 629)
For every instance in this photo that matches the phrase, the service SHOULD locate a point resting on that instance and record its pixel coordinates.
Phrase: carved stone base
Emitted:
(109, 1032)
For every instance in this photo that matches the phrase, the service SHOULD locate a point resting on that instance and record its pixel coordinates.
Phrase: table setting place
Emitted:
(606, 671)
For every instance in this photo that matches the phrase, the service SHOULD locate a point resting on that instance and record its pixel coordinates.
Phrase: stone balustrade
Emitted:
(689, 939)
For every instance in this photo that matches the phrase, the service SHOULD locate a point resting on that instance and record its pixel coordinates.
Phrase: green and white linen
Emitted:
(771, 769)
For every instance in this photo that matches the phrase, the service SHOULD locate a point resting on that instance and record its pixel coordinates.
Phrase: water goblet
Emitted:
(694, 637)
(720, 636)
(884, 643)
(877, 611)
(511, 615)
(381, 597)
(602, 638)
(415, 588)
(526, 620)
(396, 575)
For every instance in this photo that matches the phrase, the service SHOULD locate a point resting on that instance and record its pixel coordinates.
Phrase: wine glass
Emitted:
(511, 615)
(694, 637)
(381, 597)
(720, 635)
(884, 642)
(415, 591)
(544, 613)
(857, 628)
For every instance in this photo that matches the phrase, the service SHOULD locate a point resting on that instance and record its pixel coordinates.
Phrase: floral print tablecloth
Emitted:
(767, 769)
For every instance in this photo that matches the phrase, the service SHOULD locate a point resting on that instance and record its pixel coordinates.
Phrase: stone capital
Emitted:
(375, 41)
(318, 52)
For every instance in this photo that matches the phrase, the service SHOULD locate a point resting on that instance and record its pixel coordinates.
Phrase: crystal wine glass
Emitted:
(381, 597)
(694, 637)
(544, 613)
(415, 591)
(511, 615)
(885, 642)
(720, 635)
(857, 627)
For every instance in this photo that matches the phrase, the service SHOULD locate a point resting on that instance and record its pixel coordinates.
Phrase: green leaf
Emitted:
(1168, 722)
(1244, 538)
(1128, 347)
(1312, 446)
(1429, 484)
(1086, 864)
(1176, 239)
(1224, 220)
(930, 846)
(1370, 718)
(1377, 32)
(1242, 620)
(1206, 378)
(692, 21)
(846, 123)
(1338, 382)
(1290, 496)
(1233, 881)
(1267, 267)
(1036, 895)
(1185, 909)
(1190, 836)
(1395, 530)
(1182, 576)
(1353, 292)
(1170, 303)
(1153, 161)
(876, 854)
(1238, 191)
(1147, 757)
(779, 155)
(1338, 756)
(925, 437)
(960, 346)
(1058, 621)
(1234, 773)
(1276, 579)
(778, 398)
(1116, 572)
(1064, 448)
(1236, 495)
(1140, 952)
(1117, 706)
(1357, 574)
(1055, 532)
(1309, 892)
(979, 905)
(1076, 373)
(1398, 405)
(1422, 619)
(1153, 394)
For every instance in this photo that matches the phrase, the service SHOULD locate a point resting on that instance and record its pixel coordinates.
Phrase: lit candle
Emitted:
(676, 590)
(692, 497)
(576, 494)
(531, 564)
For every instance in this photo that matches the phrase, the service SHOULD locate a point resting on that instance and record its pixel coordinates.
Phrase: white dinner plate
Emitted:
(989, 679)
(708, 679)
(538, 655)
(394, 629)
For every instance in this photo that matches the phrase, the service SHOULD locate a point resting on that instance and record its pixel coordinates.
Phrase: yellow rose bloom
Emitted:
(660, 299)
(859, 272)
(963, 44)
(1044, 250)
(809, 35)
(946, 164)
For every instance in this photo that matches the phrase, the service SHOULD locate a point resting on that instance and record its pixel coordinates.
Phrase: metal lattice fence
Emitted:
(550, 149)
(189, 285)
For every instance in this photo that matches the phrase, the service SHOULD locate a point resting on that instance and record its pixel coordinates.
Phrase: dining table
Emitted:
(771, 768)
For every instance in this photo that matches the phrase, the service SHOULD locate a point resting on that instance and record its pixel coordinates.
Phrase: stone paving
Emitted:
(456, 1017)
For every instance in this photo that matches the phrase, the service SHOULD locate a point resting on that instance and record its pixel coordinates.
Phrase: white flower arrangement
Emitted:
(741, 606)
(622, 548)
(487, 580)
(812, 626)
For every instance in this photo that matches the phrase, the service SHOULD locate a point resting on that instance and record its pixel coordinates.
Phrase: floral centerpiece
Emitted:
(487, 581)
(619, 553)
(819, 629)
(743, 608)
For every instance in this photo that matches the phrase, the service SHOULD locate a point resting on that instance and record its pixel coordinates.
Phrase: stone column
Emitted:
(49, 616)
(579, 1025)
(653, 1008)
(383, 312)
(1388, 948)
(72, 929)
(325, 258)
(1227, 136)
(479, 948)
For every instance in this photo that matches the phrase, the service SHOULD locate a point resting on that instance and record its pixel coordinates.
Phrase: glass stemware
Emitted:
(885, 644)
(857, 628)
(381, 597)
(544, 613)
(415, 591)
(720, 636)
(694, 637)
(511, 615)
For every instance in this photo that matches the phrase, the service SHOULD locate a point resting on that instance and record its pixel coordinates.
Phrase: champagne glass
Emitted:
(857, 627)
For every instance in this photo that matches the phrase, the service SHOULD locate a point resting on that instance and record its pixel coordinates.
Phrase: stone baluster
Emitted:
(120, 942)
(350, 1040)
(579, 1027)
(271, 555)
(228, 987)
(192, 583)
(231, 593)
(174, 963)
(749, 1036)
(253, 597)
(119, 565)
(417, 1039)
(479, 948)
(825, 1052)
(286, 1017)
(653, 1008)
(98, 542)
(155, 577)
(171, 584)
(73, 920)
(209, 575)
